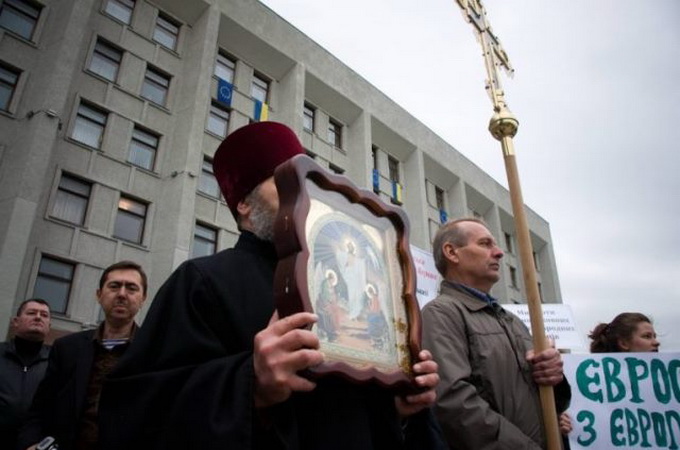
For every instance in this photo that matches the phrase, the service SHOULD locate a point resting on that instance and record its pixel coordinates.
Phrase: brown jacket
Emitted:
(486, 399)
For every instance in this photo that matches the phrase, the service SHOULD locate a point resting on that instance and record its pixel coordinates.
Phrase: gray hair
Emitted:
(452, 233)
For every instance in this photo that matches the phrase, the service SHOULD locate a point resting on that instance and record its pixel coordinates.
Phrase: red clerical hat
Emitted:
(249, 155)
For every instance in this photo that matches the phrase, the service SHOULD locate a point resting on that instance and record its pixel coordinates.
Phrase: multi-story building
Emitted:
(111, 111)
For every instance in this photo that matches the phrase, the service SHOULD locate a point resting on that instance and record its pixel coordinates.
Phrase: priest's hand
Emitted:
(427, 379)
(281, 351)
(546, 366)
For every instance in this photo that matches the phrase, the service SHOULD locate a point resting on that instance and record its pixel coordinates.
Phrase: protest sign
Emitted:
(624, 400)
(558, 321)
(427, 277)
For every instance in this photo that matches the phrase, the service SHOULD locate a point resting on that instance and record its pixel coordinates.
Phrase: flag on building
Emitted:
(224, 91)
(376, 180)
(396, 192)
(261, 112)
(443, 217)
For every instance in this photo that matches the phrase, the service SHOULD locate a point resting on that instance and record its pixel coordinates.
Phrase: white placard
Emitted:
(558, 321)
(427, 277)
(624, 400)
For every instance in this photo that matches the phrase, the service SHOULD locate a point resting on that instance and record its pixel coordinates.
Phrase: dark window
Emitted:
(218, 120)
(71, 201)
(54, 283)
(166, 31)
(89, 126)
(106, 60)
(207, 183)
(205, 241)
(334, 133)
(259, 90)
(130, 220)
(155, 87)
(508, 242)
(9, 79)
(537, 264)
(225, 67)
(439, 198)
(20, 17)
(513, 278)
(143, 148)
(120, 9)
(393, 168)
(308, 118)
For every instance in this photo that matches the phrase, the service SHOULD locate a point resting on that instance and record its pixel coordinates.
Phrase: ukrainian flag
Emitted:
(396, 191)
(261, 111)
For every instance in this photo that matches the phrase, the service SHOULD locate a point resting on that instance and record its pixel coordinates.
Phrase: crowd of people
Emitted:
(215, 367)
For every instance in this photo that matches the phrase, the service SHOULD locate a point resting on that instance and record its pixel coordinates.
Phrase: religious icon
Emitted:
(344, 255)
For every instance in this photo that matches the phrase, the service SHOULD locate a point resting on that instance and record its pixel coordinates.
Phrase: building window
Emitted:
(508, 243)
(225, 67)
(54, 283)
(334, 133)
(71, 201)
(259, 90)
(89, 126)
(130, 220)
(218, 120)
(155, 87)
(120, 9)
(513, 277)
(19, 17)
(308, 118)
(143, 148)
(393, 169)
(8, 85)
(205, 241)
(166, 31)
(439, 198)
(537, 264)
(207, 183)
(106, 60)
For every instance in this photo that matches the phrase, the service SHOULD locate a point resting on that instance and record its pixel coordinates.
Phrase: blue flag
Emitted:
(260, 111)
(224, 91)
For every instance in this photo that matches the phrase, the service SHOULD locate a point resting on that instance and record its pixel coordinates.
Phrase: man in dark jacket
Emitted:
(23, 361)
(214, 367)
(488, 398)
(66, 404)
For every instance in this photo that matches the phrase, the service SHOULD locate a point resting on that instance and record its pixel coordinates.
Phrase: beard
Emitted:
(262, 217)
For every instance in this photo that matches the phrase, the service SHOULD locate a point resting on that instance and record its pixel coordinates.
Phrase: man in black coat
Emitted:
(23, 361)
(65, 406)
(214, 367)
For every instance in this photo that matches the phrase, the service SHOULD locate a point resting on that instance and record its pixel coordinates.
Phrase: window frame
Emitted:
(67, 194)
(155, 79)
(393, 172)
(308, 115)
(41, 274)
(259, 84)
(123, 5)
(334, 134)
(89, 120)
(230, 66)
(139, 140)
(204, 239)
(19, 8)
(208, 175)
(167, 29)
(129, 213)
(218, 112)
(105, 53)
(12, 89)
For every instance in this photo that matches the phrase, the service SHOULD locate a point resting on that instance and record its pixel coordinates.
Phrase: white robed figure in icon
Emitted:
(353, 270)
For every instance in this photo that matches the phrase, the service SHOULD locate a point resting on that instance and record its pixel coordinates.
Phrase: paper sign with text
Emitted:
(427, 277)
(558, 321)
(624, 400)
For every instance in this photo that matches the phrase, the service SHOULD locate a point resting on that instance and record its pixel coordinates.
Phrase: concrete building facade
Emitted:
(110, 114)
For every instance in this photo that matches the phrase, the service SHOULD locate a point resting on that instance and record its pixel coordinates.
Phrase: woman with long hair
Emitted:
(628, 332)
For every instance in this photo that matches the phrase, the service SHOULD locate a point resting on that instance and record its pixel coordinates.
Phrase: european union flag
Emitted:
(224, 91)
(376, 180)
(261, 111)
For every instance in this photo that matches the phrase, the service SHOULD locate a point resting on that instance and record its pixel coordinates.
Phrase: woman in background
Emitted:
(628, 332)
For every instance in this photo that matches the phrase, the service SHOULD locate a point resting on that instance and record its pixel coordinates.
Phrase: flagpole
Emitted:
(503, 127)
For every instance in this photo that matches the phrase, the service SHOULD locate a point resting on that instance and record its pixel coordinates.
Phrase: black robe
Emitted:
(187, 380)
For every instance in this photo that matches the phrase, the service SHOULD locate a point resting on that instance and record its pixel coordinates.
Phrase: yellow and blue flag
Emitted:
(261, 112)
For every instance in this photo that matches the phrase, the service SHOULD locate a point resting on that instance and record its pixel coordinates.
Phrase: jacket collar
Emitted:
(471, 298)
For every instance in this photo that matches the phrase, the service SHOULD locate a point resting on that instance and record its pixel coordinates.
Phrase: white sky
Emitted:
(596, 91)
